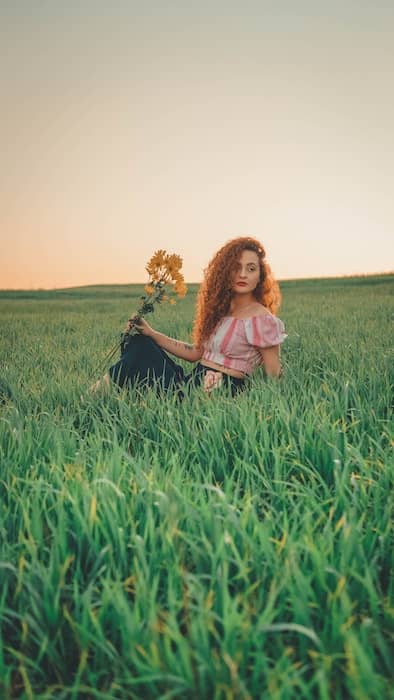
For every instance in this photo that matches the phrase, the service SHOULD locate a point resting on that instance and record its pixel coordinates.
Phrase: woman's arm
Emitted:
(270, 360)
(185, 351)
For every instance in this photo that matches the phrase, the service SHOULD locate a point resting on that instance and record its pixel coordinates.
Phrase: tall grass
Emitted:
(211, 549)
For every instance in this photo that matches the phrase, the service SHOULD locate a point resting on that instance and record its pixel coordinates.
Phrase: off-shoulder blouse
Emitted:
(235, 341)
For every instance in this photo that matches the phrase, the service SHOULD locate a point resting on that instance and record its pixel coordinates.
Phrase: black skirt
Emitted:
(144, 362)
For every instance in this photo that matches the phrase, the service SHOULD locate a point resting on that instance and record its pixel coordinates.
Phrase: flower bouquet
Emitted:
(165, 282)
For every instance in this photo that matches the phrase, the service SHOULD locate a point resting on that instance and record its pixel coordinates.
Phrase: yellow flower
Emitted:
(176, 276)
(172, 302)
(158, 257)
(173, 264)
(180, 288)
(149, 289)
(155, 263)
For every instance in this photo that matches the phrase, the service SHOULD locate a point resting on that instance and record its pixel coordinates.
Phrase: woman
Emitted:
(235, 329)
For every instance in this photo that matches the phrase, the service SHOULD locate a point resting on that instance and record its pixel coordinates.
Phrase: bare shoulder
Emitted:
(260, 310)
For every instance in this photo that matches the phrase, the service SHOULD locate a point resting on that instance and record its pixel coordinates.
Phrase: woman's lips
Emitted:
(241, 284)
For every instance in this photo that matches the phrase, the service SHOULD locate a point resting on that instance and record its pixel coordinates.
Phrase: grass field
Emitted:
(214, 549)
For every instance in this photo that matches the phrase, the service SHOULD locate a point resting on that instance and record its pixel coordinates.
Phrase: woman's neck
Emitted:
(241, 304)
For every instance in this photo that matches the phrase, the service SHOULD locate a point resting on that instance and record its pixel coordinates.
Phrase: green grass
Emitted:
(212, 549)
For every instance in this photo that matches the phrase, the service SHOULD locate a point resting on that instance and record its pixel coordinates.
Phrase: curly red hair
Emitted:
(215, 293)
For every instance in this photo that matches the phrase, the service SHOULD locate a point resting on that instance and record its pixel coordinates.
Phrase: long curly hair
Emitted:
(215, 293)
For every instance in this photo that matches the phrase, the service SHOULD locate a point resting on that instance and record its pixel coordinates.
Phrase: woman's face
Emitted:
(247, 273)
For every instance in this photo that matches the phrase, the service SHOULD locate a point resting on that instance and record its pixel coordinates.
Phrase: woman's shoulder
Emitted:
(259, 310)
(252, 311)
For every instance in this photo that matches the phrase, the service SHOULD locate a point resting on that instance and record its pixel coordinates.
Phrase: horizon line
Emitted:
(126, 284)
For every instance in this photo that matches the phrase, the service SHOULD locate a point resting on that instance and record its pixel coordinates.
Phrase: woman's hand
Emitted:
(142, 326)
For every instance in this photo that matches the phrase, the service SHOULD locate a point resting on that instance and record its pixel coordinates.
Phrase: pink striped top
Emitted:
(235, 341)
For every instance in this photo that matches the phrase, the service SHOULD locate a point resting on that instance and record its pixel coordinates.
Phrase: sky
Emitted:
(132, 126)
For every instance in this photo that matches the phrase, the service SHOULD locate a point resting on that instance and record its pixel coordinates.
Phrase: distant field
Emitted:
(217, 549)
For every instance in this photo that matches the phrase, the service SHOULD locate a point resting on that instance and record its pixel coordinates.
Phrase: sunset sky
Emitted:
(131, 126)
